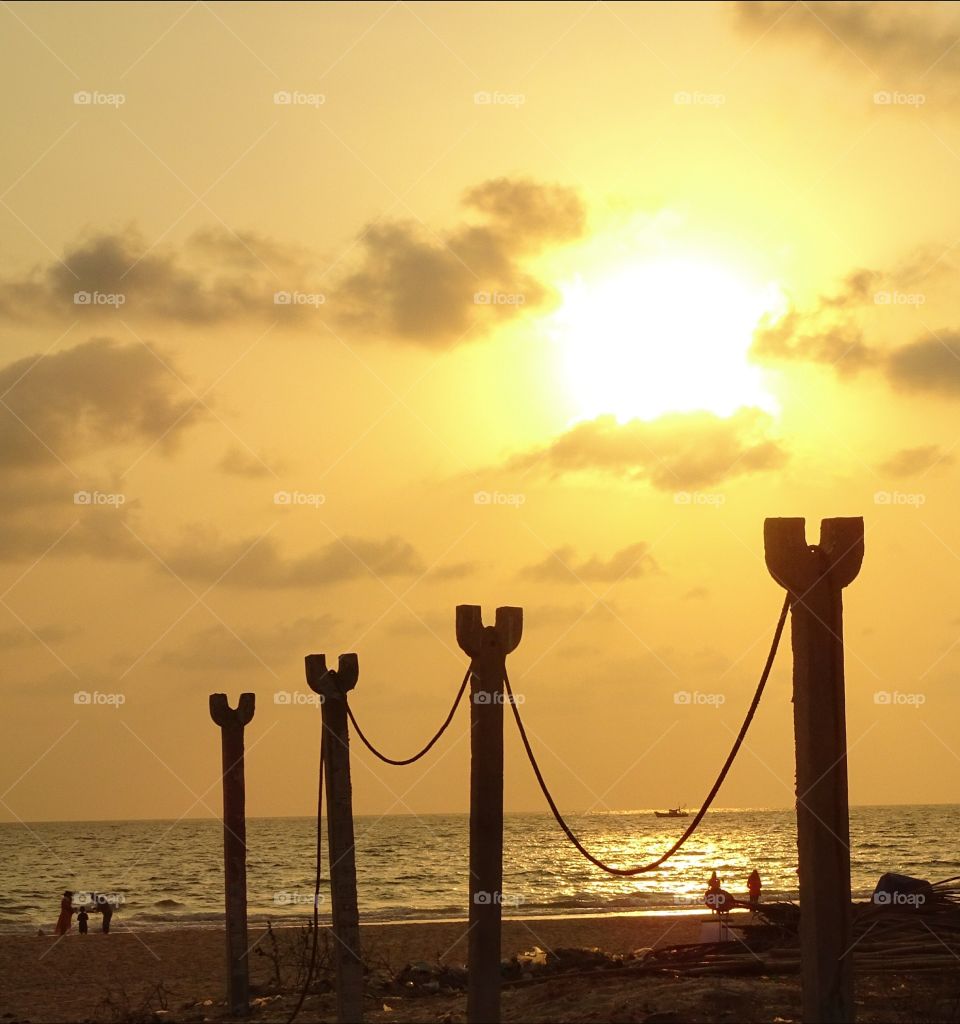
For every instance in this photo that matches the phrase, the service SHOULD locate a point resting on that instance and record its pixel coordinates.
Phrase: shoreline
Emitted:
(285, 923)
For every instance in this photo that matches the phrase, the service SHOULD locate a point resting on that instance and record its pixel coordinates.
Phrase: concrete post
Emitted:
(333, 687)
(232, 723)
(487, 648)
(815, 576)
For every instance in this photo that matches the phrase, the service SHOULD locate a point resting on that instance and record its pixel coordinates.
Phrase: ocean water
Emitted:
(169, 874)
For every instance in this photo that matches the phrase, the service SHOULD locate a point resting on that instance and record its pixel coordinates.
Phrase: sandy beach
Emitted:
(130, 975)
(43, 979)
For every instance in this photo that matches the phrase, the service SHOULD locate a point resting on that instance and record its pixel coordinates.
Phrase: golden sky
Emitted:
(639, 274)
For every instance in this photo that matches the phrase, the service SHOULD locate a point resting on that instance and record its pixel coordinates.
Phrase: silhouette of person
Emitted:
(106, 912)
(82, 920)
(753, 887)
(64, 921)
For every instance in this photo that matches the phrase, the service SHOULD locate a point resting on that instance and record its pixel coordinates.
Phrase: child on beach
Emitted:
(82, 920)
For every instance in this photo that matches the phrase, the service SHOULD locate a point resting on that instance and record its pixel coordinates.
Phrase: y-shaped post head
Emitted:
(797, 565)
(329, 683)
(223, 714)
(473, 636)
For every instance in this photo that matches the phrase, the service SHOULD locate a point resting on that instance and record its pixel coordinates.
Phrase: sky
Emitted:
(317, 321)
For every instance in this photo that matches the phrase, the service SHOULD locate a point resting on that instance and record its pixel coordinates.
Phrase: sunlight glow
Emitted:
(670, 335)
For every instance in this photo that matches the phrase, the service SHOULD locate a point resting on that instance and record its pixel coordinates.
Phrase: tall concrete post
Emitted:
(232, 722)
(487, 647)
(333, 686)
(815, 576)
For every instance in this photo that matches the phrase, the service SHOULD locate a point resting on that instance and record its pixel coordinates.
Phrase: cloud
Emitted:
(259, 563)
(927, 365)
(831, 332)
(94, 395)
(825, 333)
(220, 648)
(910, 461)
(58, 412)
(433, 289)
(905, 41)
(676, 451)
(562, 566)
(214, 276)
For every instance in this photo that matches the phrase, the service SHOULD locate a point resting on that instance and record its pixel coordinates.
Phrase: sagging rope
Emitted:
(316, 891)
(416, 757)
(653, 865)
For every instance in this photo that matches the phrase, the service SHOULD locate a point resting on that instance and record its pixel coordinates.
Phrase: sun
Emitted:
(669, 335)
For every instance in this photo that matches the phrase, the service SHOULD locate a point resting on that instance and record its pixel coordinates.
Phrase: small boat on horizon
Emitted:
(674, 812)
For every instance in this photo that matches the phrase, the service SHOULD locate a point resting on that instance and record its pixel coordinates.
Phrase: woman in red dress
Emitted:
(66, 913)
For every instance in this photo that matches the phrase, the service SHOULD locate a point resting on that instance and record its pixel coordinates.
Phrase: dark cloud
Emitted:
(910, 461)
(905, 41)
(433, 289)
(60, 414)
(253, 563)
(410, 283)
(219, 648)
(214, 276)
(82, 399)
(562, 566)
(828, 333)
(927, 364)
(677, 451)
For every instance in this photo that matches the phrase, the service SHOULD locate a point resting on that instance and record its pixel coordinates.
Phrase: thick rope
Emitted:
(416, 757)
(641, 869)
(316, 890)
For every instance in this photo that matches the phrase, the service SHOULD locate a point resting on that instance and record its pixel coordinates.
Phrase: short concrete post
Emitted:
(333, 687)
(232, 723)
(487, 648)
(815, 576)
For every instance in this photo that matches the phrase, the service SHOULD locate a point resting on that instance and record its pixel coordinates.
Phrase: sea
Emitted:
(169, 874)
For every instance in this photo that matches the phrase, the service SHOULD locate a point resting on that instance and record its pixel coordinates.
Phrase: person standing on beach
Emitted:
(753, 887)
(64, 921)
(106, 912)
(82, 921)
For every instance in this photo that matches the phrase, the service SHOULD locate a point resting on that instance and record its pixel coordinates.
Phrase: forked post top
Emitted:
(328, 682)
(223, 714)
(472, 635)
(797, 565)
